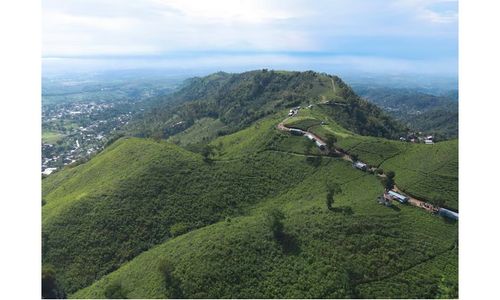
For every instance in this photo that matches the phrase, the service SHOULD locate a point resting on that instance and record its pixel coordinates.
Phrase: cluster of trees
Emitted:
(240, 99)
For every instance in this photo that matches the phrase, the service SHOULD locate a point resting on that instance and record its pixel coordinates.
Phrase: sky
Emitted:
(336, 36)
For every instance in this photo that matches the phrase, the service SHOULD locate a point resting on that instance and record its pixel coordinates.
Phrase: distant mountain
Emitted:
(237, 100)
(433, 114)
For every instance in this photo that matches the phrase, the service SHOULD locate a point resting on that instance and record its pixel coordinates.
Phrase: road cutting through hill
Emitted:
(345, 156)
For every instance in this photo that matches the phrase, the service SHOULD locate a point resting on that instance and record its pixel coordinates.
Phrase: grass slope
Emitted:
(141, 202)
(51, 137)
(428, 172)
(348, 252)
(139, 193)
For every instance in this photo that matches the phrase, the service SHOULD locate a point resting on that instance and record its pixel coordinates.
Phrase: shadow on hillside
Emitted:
(314, 161)
(449, 221)
(289, 244)
(346, 210)
(395, 208)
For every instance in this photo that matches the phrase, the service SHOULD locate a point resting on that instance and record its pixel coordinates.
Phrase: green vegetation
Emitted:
(389, 180)
(432, 114)
(303, 123)
(50, 286)
(243, 214)
(202, 131)
(128, 198)
(231, 102)
(429, 172)
(322, 254)
(51, 137)
(331, 191)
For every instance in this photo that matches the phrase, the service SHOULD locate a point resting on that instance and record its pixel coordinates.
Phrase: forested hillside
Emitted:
(233, 207)
(433, 114)
(237, 100)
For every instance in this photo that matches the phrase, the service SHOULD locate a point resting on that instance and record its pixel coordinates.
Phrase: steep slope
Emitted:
(139, 193)
(358, 249)
(428, 172)
(144, 205)
(237, 100)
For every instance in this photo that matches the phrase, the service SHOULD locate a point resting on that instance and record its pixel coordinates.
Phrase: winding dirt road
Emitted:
(345, 156)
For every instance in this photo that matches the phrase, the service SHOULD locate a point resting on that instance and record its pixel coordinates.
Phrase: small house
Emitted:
(397, 196)
(448, 213)
(361, 166)
(320, 144)
(311, 137)
(296, 131)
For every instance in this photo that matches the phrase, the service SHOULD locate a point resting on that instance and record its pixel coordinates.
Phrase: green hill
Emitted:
(359, 249)
(151, 219)
(237, 100)
(139, 193)
(428, 172)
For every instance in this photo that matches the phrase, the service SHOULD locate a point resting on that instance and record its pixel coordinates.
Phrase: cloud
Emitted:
(387, 29)
(433, 11)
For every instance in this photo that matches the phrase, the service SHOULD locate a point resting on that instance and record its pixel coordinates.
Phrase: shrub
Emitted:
(275, 219)
(331, 190)
(115, 291)
(172, 284)
(179, 228)
(50, 287)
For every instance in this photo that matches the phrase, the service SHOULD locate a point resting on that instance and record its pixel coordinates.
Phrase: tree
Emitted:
(275, 219)
(172, 284)
(115, 291)
(331, 190)
(354, 157)
(207, 152)
(50, 287)
(389, 180)
(330, 141)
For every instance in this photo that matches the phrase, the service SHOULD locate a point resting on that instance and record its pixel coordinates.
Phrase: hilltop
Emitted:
(156, 218)
(226, 103)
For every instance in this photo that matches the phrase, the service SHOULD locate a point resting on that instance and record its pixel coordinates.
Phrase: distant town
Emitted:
(75, 131)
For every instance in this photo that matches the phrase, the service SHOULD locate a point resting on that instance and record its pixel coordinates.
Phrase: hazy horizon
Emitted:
(356, 37)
